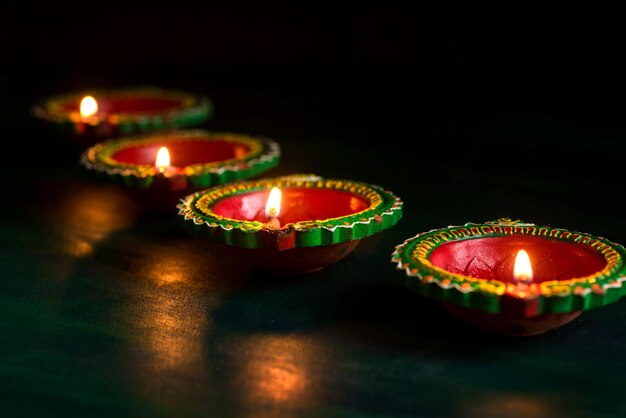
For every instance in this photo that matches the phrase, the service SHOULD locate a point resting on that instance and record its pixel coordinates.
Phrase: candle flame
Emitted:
(523, 270)
(272, 208)
(88, 107)
(162, 159)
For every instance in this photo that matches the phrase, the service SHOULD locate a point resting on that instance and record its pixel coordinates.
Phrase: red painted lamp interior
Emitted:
(493, 258)
(128, 105)
(182, 153)
(298, 204)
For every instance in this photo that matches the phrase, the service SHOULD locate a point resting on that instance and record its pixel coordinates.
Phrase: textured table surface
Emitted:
(110, 311)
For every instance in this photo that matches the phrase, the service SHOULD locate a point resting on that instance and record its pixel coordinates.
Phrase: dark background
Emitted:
(498, 103)
(468, 115)
(563, 60)
(392, 86)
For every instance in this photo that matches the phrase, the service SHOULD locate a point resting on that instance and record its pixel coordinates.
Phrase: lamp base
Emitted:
(507, 324)
(158, 201)
(295, 260)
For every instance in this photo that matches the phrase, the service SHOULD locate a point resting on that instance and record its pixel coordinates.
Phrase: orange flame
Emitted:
(88, 107)
(272, 208)
(523, 270)
(162, 159)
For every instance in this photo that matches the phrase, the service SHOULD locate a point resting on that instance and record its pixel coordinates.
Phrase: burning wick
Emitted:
(272, 208)
(88, 107)
(522, 271)
(162, 162)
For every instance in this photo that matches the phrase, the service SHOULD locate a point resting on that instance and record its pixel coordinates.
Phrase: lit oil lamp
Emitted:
(511, 277)
(159, 169)
(290, 225)
(106, 113)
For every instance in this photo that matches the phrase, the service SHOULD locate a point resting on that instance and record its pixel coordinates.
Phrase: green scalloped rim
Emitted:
(195, 110)
(264, 154)
(197, 218)
(418, 274)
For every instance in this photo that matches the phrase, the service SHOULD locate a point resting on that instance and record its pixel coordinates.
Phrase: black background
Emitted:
(487, 105)
(563, 61)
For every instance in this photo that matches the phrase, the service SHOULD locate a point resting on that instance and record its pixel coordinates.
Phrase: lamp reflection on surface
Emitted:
(86, 217)
(169, 268)
(188, 263)
(511, 405)
(169, 326)
(171, 319)
(170, 316)
(278, 369)
(172, 335)
(78, 247)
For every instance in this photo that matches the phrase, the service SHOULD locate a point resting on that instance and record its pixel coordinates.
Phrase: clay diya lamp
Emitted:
(160, 169)
(290, 225)
(90, 116)
(511, 277)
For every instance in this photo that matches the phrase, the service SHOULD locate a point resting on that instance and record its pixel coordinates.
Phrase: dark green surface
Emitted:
(106, 311)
